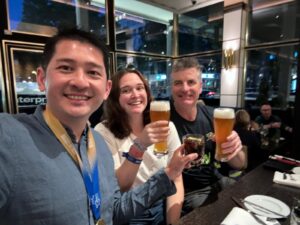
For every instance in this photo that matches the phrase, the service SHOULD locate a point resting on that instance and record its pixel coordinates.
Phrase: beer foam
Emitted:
(160, 106)
(224, 113)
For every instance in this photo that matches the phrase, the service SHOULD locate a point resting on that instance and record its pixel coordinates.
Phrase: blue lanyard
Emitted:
(91, 180)
(93, 189)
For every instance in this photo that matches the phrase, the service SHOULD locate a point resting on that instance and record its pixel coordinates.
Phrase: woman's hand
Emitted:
(154, 132)
(178, 162)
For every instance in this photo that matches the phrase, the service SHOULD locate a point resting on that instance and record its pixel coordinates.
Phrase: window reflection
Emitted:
(156, 71)
(274, 21)
(143, 28)
(2, 97)
(271, 75)
(45, 16)
(26, 87)
(211, 72)
(201, 29)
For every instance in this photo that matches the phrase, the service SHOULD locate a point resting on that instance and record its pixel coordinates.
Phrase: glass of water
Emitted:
(295, 215)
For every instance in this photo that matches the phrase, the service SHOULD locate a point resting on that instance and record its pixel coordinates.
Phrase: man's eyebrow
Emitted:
(95, 65)
(65, 60)
(92, 64)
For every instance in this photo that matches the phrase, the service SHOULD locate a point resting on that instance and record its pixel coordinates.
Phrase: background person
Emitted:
(249, 138)
(127, 113)
(271, 125)
(54, 168)
(201, 183)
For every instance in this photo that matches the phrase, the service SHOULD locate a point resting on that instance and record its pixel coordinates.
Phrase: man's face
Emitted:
(186, 87)
(75, 80)
(266, 111)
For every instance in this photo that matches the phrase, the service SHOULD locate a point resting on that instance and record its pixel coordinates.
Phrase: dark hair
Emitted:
(73, 34)
(116, 119)
(265, 103)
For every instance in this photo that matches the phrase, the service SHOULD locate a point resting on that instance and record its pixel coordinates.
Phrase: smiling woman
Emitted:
(131, 138)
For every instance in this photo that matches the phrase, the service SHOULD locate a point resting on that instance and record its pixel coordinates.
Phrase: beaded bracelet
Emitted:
(139, 145)
(131, 159)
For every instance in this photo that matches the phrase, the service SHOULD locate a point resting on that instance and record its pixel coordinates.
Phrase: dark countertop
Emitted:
(259, 181)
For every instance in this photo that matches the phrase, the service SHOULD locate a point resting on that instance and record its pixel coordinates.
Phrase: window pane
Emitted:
(274, 21)
(201, 30)
(44, 16)
(156, 71)
(2, 97)
(271, 75)
(211, 79)
(26, 87)
(143, 28)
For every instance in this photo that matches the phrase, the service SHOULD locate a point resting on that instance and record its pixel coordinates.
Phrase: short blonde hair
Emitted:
(242, 118)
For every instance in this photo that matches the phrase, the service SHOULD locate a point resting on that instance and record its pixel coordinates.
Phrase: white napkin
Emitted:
(290, 179)
(239, 216)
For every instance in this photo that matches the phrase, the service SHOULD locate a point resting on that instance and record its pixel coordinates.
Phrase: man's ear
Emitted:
(108, 88)
(41, 78)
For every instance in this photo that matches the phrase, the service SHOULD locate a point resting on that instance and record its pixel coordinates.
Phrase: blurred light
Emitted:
(208, 75)
(159, 77)
(295, 54)
(271, 57)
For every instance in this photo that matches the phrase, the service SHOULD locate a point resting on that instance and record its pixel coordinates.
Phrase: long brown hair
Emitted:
(116, 119)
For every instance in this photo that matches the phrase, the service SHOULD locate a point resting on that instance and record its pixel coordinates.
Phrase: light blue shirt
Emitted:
(40, 184)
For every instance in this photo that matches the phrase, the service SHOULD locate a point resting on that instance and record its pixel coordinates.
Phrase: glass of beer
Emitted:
(160, 110)
(194, 143)
(223, 125)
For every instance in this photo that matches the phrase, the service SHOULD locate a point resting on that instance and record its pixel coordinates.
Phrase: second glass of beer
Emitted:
(160, 110)
(223, 125)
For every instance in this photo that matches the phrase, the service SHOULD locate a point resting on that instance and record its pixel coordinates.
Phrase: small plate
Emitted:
(267, 202)
(296, 170)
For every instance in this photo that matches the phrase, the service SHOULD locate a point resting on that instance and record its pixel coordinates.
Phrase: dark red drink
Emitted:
(194, 143)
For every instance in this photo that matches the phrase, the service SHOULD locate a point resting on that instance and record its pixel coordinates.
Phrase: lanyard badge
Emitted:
(90, 177)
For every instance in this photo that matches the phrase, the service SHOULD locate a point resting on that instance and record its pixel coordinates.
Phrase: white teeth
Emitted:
(135, 103)
(77, 97)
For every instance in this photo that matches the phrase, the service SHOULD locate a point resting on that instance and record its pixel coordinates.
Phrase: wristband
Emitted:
(135, 152)
(131, 159)
(139, 145)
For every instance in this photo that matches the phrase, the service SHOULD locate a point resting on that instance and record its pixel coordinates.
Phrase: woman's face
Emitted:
(133, 95)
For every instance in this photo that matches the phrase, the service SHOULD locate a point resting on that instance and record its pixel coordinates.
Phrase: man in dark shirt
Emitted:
(271, 126)
(202, 182)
